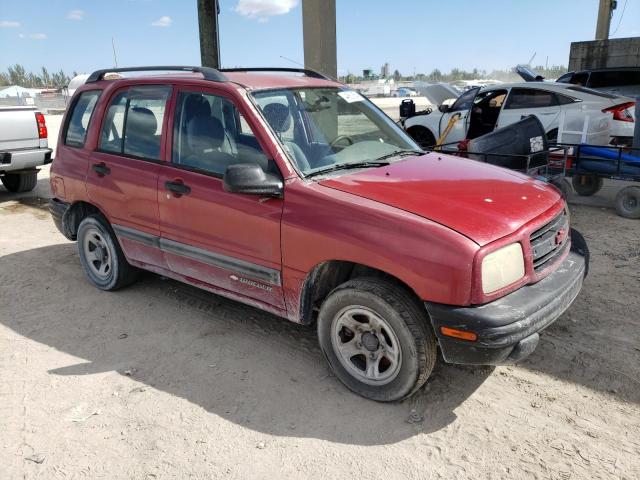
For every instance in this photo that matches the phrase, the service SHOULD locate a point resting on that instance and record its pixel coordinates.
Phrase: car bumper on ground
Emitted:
(58, 210)
(508, 328)
(24, 159)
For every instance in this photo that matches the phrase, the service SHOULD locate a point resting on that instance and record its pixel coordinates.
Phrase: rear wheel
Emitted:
(377, 339)
(20, 182)
(586, 185)
(423, 137)
(101, 256)
(628, 202)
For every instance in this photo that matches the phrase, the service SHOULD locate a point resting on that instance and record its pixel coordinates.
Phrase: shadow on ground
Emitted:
(234, 361)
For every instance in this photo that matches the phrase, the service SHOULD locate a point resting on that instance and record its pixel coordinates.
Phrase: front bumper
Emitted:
(508, 328)
(24, 159)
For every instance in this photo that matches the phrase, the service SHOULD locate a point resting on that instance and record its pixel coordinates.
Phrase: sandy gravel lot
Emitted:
(161, 380)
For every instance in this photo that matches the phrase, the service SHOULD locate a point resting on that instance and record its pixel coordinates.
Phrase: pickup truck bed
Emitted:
(23, 147)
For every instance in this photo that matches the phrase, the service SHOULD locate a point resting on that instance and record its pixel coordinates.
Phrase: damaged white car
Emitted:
(481, 110)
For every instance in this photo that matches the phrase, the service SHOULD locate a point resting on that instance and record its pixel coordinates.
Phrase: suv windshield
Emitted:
(323, 129)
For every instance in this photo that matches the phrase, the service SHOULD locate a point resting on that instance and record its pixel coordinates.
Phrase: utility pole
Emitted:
(605, 12)
(319, 32)
(208, 11)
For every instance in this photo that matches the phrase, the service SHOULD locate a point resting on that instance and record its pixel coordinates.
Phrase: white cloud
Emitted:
(38, 36)
(9, 24)
(164, 21)
(76, 15)
(21, 35)
(262, 9)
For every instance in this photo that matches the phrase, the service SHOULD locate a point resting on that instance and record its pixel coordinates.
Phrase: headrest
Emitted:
(196, 105)
(141, 122)
(204, 133)
(278, 116)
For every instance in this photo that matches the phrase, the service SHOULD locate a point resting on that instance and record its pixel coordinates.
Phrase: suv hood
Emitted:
(478, 200)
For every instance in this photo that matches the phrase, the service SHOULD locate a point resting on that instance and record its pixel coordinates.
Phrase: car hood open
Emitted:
(478, 200)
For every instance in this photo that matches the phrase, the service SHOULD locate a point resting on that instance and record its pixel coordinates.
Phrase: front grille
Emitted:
(549, 242)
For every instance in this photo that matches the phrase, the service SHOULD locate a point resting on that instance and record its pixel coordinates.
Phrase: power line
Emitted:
(621, 15)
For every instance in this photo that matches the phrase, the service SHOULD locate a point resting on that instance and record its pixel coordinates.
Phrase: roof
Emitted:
(251, 78)
(267, 80)
(17, 90)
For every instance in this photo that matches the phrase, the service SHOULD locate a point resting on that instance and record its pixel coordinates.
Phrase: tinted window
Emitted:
(210, 134)
(79, 121)
(530, 98)
(465, 101)
(133, 123)
(614, 78)
(566, 78)
(564, 99)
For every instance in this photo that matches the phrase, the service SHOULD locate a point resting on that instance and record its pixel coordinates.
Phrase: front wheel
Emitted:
(377, 339)
(422, 137)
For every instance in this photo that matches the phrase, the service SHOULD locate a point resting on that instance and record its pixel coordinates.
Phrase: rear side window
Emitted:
(76, 133)
(614, 78)
(133, 122)
(530, 98)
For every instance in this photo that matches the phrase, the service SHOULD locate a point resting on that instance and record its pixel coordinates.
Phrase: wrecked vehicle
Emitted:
(481, 110)
(290, 192)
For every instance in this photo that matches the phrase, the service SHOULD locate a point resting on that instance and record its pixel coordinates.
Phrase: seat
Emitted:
(204, 137)
(279, 117)
(140, 136)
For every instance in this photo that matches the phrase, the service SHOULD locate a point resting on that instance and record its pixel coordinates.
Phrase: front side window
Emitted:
(465, 101)
(210, 134)
(321, 128)
(79, 121)
(133, 122)
(530, 98)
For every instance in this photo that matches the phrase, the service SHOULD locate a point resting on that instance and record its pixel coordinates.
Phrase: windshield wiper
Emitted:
(347, 166)
(401, 153)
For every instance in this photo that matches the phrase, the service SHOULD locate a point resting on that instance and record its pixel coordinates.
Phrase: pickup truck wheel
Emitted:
(586, 185)
(628, 202)
(20, 182)
(423, 137)
(101, 256)
(377, 339)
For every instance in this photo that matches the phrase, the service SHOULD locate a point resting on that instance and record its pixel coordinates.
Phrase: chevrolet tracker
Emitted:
(286, 190)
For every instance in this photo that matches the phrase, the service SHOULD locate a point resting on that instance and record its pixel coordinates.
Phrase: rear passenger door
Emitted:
(226, 240)
(122, 177)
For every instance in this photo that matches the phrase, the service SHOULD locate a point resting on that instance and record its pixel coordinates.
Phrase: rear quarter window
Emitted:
(80, 118)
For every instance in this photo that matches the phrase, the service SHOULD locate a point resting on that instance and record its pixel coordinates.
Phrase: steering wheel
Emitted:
(336, 140)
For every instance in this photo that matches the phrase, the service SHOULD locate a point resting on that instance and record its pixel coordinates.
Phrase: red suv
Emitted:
(288, 191)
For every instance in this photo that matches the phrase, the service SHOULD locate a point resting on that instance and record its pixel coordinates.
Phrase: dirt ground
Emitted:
(161, 380)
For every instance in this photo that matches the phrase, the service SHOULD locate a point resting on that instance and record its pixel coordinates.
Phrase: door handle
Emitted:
(101, 169)
(177, 187)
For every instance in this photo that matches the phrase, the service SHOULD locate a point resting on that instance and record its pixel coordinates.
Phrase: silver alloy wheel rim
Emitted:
(366, 345)
(97, 254)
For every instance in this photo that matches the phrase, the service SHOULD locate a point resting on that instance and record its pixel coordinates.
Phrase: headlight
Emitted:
(502, 268)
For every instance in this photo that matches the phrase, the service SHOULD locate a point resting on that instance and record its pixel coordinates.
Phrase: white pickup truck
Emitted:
(23, 147)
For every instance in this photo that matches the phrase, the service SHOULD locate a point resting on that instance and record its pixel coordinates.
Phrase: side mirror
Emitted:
(249, 178)
(443, 108)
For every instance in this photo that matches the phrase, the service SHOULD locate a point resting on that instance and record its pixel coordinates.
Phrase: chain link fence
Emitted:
(46, 102)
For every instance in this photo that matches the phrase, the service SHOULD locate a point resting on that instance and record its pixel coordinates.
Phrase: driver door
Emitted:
(458, 117)
(230, 241)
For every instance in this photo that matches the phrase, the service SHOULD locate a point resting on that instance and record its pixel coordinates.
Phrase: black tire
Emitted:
(119, 273)
(628, 202)
(20, 182)
(423, 137)
(408, 322)
(586, 185)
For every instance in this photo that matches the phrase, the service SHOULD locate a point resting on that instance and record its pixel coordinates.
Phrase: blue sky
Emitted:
(409, 34)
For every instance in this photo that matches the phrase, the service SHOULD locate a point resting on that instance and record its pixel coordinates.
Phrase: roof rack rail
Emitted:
(208, 73)
(306, 71)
